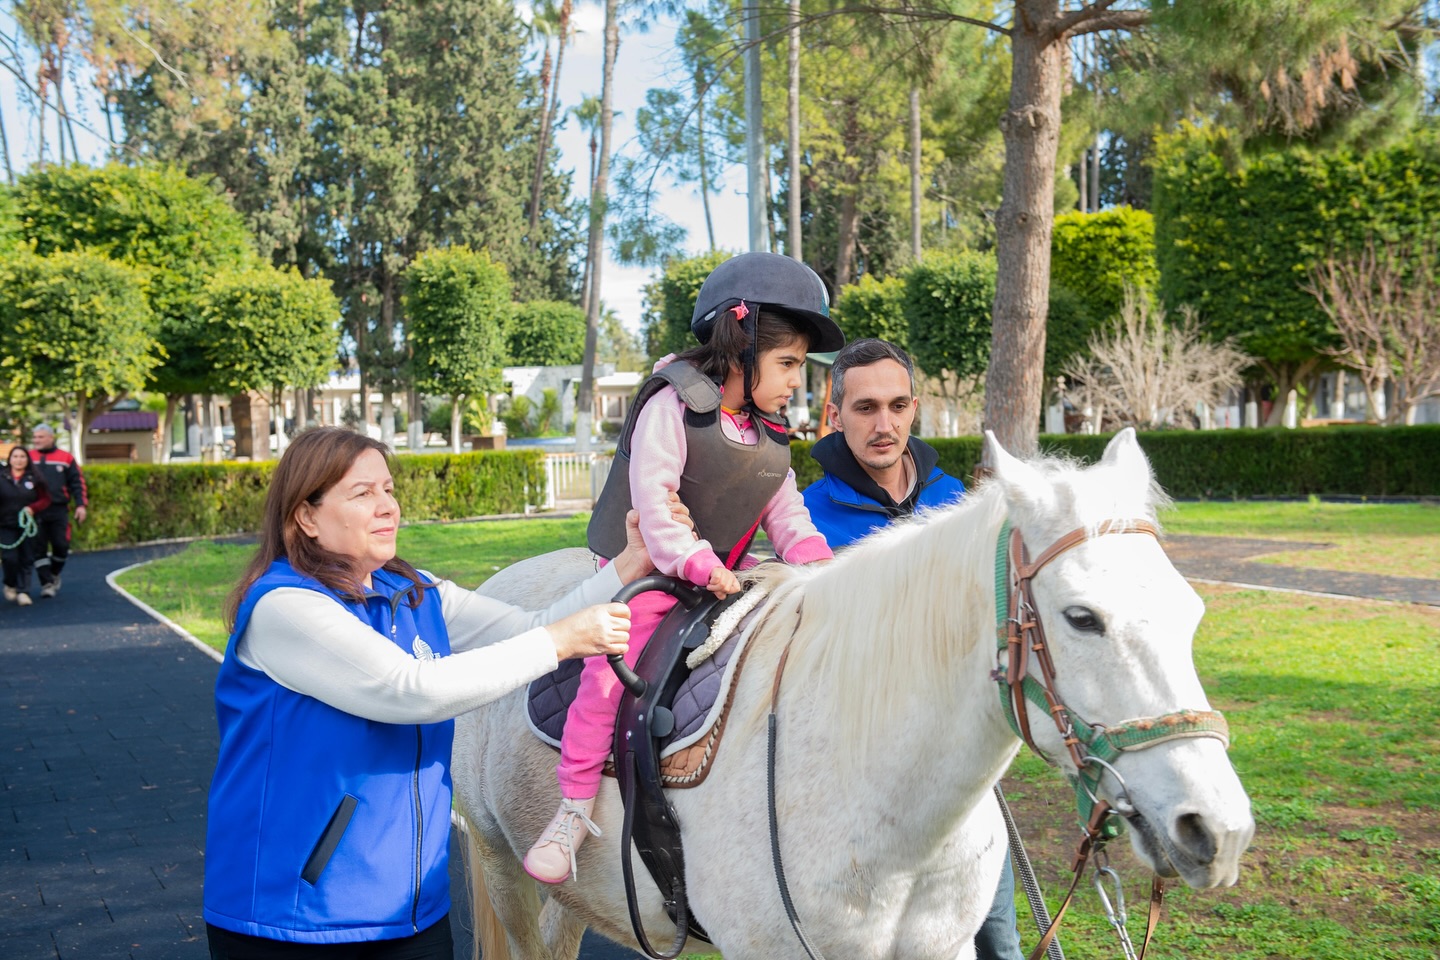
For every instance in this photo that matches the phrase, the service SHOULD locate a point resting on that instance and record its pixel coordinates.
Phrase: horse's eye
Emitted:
(1084, 620)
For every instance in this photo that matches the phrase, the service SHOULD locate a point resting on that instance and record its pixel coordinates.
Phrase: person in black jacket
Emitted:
(22, 493)
(66, 485)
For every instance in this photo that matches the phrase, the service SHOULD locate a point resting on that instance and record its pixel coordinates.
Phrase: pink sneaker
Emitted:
(552, 858)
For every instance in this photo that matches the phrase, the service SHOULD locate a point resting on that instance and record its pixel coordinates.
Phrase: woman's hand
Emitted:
(601, 629)
(634, 561)
(723, 583)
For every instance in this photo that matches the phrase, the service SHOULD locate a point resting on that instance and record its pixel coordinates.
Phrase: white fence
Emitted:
(574, 477)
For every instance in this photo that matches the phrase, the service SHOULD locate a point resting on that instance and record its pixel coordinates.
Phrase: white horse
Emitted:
(891, 735)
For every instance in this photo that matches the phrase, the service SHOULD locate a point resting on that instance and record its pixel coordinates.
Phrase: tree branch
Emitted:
(1099, 17)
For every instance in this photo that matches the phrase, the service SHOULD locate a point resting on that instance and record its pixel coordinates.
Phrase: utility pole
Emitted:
(754, 139)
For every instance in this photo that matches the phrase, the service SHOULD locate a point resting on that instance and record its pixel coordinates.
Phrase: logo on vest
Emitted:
(769, 475)
(422, 650)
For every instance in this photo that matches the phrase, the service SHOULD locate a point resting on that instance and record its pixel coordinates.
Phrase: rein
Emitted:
(1092, 747)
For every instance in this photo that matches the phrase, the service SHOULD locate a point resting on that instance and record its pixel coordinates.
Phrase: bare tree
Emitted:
(1148, 373)
(1385, 304)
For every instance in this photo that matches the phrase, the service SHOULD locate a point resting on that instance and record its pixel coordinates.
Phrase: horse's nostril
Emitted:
(1192, 837)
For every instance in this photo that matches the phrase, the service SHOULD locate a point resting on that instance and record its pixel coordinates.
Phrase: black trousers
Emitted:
(55, 535)
(18, 561)
(432, 943)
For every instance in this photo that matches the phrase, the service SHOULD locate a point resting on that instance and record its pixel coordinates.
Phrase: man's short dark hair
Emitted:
(862, 353)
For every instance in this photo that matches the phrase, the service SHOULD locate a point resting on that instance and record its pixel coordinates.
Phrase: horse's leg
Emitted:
(561, 929)
(504, 901)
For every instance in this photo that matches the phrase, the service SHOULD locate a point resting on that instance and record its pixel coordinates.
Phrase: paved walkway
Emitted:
(107, 722)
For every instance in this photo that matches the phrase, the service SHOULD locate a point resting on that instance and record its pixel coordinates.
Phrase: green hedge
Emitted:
(136, 503)
(1238, 464)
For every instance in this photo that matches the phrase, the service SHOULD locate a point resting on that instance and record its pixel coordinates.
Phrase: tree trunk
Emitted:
(585, 404)
(244, 429)
(704, 168)
(551, 117)
(77, 435)
(794, 245)
(540, 146)
(848, 238)
(387, 419)
(277, 417)
(1285, 377)
(415, 428)
(165, 444)
(5, 149)
(756, 173)
(455, 417)
(1031, 129)
(915, 173)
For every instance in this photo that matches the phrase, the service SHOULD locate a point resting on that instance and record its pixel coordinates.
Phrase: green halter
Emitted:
(1104, 743)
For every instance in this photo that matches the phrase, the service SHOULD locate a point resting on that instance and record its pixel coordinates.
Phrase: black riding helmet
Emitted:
(777, 283)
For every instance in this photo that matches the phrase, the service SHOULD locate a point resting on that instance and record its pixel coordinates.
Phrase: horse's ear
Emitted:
(1024, 486)
(1123, 451)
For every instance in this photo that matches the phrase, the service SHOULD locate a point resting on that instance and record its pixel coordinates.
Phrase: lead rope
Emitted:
(28, 529)
(1038, 910)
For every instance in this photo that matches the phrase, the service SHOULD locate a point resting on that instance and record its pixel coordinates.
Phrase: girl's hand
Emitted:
(723, 583)
(601, 629)
(634, 561)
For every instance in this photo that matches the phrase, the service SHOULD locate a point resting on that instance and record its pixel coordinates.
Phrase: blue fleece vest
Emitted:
(325, 827)
(843, 515)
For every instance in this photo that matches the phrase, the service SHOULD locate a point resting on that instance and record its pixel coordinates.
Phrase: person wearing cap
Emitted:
(709, 426)
(66, 485)
(877, 473)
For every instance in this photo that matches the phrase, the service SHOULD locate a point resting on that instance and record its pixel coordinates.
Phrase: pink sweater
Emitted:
(657, 459)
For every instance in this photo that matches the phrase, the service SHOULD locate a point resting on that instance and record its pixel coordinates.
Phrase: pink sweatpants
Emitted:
(590, 724)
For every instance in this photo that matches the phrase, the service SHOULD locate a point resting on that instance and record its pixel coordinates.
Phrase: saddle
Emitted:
(652, 749)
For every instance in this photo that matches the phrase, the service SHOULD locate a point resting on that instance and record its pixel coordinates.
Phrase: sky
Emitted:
(646, 59)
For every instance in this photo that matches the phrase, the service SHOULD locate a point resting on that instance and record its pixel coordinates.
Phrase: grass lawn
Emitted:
(1334, 708)
(1397, 539)
(190, 587)
(1340, 762)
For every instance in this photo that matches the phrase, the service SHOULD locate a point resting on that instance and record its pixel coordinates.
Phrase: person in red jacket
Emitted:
(22, 497)
(66, 485)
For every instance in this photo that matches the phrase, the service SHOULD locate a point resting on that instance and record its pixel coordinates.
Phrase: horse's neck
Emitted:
(900, 676)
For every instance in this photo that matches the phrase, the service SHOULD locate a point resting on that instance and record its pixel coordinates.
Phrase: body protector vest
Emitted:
(725, 483)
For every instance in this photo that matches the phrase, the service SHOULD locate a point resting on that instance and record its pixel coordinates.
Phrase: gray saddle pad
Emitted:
(697, 703)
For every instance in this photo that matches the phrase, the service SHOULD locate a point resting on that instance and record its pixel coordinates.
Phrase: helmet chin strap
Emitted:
(752, 351)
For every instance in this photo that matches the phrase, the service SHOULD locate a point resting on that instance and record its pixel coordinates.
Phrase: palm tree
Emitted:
(585, 401)
(549, 20)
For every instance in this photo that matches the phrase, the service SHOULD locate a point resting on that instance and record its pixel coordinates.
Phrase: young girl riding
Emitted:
(707, 425)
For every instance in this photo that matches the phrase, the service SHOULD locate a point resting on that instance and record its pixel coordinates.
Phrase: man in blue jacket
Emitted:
(876, 472)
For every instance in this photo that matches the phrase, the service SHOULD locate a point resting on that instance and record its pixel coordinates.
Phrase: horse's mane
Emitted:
(900, 609)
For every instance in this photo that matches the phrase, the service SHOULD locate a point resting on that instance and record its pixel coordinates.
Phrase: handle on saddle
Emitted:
(687, 593)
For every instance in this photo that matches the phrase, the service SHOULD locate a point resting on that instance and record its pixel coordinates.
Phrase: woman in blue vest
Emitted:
(329, 813)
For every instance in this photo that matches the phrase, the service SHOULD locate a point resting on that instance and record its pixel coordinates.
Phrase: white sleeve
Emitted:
(476, 620)
(309, 643)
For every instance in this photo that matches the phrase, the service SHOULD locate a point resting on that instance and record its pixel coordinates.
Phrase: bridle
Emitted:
(1092, 747)
(1018, 627)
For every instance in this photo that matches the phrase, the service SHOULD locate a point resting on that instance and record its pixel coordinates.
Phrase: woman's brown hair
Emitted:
(313, 463)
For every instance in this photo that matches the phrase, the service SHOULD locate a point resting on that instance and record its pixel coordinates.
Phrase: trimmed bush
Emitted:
(137, 503)
(1237, 464)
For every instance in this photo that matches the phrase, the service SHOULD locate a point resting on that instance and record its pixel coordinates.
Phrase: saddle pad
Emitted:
(700, 706)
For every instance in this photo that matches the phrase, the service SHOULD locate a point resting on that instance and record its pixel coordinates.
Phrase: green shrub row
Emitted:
(137, 503)
(1238, 464)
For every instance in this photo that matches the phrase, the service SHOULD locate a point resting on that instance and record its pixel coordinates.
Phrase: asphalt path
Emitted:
(108, 724)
